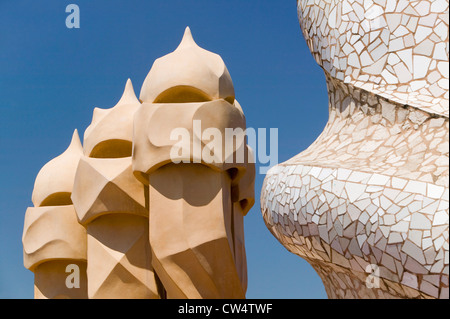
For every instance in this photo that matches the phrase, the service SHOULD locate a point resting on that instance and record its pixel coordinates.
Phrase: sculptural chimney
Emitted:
(53, 240)
(111, 204)
(196, 205)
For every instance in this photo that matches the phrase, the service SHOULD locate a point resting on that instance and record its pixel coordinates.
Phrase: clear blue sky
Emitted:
(51, 78)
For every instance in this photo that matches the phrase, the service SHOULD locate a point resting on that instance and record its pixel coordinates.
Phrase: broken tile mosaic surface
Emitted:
(396, 49)
(370, 197)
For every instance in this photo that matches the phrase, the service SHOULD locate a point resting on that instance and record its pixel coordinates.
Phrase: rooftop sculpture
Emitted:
(367, 204)
(138, 220)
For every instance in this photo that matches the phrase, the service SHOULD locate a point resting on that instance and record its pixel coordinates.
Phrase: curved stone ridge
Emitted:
(155, 122)
(66, 242)
(369, 198)
(396, 49)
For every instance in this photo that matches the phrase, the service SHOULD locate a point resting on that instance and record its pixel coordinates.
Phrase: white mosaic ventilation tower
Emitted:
(367, 204)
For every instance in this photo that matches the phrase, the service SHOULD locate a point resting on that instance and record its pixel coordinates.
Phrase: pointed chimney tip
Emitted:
(128, 95)
(76, 142)
(188, 39)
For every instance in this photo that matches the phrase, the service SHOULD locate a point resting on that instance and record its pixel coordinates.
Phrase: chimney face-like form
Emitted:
(200, 187)
(53, 240)
(152, 216)
(111, 204)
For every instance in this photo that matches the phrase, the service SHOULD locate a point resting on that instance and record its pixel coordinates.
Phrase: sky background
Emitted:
(52, 77)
